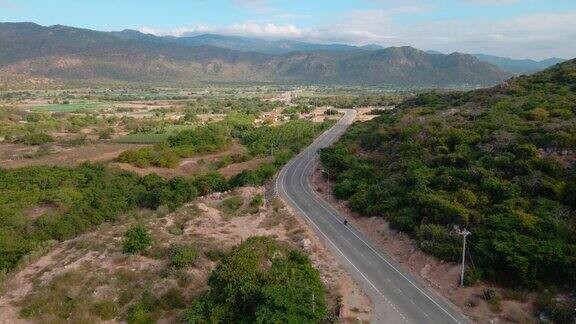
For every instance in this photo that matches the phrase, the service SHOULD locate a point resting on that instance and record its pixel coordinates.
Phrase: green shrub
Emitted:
(215, 254)
(139, 314)
(232, 204)
(35, 139)
(210, 182)
(257, 201)
(182, 255)
(136, 239)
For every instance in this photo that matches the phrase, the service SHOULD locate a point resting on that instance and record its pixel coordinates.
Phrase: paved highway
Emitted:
(398, 296)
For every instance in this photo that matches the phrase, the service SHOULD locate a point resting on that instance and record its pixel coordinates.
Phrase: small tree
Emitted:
(136, 239)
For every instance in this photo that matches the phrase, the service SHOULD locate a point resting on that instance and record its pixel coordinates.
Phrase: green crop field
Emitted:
(68, 107)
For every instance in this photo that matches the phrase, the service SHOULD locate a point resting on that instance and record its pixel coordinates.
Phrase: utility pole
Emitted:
(313, 304)
(464, 234)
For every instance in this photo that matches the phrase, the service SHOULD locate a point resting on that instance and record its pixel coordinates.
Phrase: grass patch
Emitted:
(81, 106)
(67, 297)
(105, 310)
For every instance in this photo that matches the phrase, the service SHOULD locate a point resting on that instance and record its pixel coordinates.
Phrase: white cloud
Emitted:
(180, 31)
(269, 31)
(533, 36)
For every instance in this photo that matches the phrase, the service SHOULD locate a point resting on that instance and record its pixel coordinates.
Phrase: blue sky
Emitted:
(516, 28)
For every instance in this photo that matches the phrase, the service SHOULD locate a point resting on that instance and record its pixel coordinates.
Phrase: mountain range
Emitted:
(284, 46)
(67, 53)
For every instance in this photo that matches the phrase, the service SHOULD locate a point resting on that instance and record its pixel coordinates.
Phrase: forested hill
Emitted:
(71, 54)
(500, 162)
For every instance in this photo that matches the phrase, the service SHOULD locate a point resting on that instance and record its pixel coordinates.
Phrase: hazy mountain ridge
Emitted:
(519, 66)
(284, 46)
(244, 44)
(61, 52)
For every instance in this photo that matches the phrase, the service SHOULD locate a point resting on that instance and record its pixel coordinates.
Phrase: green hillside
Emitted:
(500, 162)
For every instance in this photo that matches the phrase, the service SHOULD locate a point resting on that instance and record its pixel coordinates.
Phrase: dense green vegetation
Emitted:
(293, 135)
(500, 162)
(261, 281)
(157, 133)
(247, 106)
(282, 142)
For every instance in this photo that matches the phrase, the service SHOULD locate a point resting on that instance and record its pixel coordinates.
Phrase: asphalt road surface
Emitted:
(398, 296)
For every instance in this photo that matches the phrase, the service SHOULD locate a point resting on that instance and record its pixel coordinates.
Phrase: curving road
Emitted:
(398, 296)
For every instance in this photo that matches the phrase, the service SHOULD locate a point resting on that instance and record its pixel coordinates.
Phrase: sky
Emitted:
(534, 29)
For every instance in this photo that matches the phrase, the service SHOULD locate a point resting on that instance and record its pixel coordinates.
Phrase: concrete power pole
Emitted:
(464, 234)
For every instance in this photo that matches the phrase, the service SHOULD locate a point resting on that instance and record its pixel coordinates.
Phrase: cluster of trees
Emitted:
(499, 162)
(261, 281)
(202, 139)
(293, 135)
(250, 106)
(296, 110)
